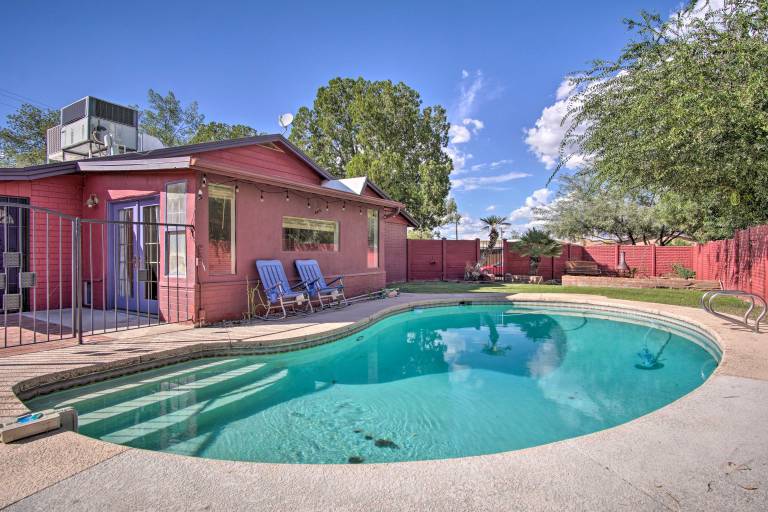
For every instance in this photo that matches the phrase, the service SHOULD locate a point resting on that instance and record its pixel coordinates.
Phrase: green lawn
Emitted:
(688, 298)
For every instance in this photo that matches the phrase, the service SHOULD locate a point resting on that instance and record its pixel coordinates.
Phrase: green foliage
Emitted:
(421, 234)
(536, 244)
(682, 271)
(22, 140)
(588, 209)
(684, 109)
(379, 129)
(169, 121)
(213, 131)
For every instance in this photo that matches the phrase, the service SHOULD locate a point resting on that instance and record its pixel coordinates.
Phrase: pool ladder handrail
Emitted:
(708, 297)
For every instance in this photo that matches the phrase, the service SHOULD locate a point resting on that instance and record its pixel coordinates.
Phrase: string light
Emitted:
(344, 206)
(361, 210)
(261, 196)
(326, 206)
(287, 198)
(308, 205)
(205, 181)
(199, 193)
(237, 188)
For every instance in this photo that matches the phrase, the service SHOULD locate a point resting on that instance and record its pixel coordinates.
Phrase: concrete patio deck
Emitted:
(706, 451)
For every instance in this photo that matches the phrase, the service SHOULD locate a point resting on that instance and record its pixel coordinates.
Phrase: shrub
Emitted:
(682, 271)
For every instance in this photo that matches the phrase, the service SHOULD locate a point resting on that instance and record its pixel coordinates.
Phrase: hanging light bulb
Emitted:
(237, 188)
(261, 196)
(308, 205)
(287, 198)
(344, 206)
(326, 206)
(205, 180)
(199, 193)
(361, 210)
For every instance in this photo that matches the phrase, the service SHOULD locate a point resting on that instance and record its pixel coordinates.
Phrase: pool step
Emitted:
(106, 393)
(133, 405)
(156, 425)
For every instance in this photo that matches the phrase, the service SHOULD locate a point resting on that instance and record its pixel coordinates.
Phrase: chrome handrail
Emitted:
(708, 297)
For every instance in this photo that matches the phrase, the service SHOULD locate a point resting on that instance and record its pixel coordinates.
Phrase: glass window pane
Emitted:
(373, 238)
(221, 229)
(176, 262)
(310, 235)
(176, 203)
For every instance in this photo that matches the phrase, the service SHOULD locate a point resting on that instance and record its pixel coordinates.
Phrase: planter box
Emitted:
(651, 282)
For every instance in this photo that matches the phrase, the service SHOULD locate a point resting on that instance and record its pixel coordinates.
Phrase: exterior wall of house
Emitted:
(55, 193)
(208, 292)
(68, 195)
(395, 248)
(176, 296)
(259, 236)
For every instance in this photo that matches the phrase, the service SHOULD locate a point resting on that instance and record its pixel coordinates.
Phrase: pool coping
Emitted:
(729, 338)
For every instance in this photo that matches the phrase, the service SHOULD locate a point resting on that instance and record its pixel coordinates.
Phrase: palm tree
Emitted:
(452, 215)
(537, 244)
(494, 224)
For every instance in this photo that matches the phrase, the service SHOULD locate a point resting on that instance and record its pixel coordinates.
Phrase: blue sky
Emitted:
(496, 67)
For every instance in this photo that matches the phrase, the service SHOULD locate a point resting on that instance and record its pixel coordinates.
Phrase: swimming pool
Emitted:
(430, 383)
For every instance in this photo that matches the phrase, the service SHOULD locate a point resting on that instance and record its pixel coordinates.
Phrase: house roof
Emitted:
(173, 157)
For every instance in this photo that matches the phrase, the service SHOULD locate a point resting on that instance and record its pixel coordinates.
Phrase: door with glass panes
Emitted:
(135, 255)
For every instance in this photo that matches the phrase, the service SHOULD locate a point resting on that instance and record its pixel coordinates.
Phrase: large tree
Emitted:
(213, 131)
(168, 120)
(588, 209)
(683, 109)
(22, 140)
(379, 129)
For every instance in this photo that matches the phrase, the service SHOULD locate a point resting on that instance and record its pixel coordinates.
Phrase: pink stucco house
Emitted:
(175, 232)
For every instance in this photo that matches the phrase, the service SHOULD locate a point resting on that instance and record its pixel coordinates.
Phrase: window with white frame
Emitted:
(176, 236)
(221, 229)
(373, 238)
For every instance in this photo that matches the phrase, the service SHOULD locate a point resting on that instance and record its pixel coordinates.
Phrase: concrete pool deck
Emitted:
(705, 451)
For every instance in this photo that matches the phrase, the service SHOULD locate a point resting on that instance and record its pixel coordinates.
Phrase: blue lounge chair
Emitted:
(278, 292)
(326, 293)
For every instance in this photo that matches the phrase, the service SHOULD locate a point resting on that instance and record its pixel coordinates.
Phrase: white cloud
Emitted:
(492, 165)
(459, 158)
(522, 217)
(475, 124)
(464, 73)
(485, 182)
(490, 208)
(565, 89)
(459, 134)
(545, 137)
(470, 87)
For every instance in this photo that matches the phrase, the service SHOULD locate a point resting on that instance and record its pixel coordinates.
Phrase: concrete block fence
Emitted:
(740, 263)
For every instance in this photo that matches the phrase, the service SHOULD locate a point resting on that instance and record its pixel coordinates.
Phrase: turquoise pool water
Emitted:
(427, 384)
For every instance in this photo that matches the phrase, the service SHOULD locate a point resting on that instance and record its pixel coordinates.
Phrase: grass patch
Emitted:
(689, 298)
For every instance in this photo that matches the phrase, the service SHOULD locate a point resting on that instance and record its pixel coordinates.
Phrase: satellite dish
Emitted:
(285, 120)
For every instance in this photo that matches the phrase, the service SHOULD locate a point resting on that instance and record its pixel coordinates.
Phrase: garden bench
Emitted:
(585, 268)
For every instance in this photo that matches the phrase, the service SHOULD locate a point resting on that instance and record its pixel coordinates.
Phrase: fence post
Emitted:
(653, 260)
(408, 253)
(77, 271)
(477, 250)
(504, 248)
(442, 247)
(616, 257)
